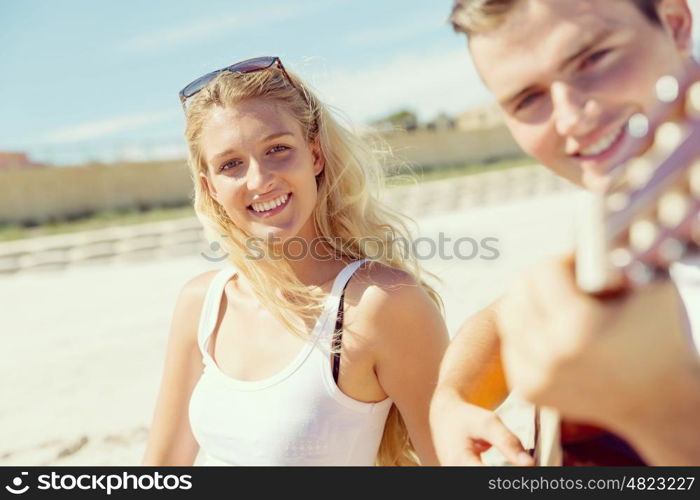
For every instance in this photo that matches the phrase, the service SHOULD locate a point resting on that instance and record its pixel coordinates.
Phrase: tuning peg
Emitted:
(667, 88)
(638, 125)
(668, 137)
(673, 207)
(671, 250)
(640, 273)
(643, 234)
(695, 230)
(694, 179)
(617, 201)
(639, 172)
(692, 100)
(620, 257)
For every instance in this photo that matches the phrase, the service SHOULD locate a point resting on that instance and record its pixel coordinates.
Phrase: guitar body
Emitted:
(584, 445)
(579, 445)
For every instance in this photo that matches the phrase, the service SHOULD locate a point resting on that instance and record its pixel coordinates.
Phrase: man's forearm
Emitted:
(472, 364)
(667, 430)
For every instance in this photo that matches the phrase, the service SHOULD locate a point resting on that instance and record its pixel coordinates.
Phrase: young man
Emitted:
(568, 75)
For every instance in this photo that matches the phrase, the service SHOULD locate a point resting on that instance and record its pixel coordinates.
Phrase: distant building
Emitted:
(11, 160)
(441, 122)
(404, 120)
(489, 116)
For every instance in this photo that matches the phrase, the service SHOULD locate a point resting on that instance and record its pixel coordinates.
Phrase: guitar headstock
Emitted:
(649, 215)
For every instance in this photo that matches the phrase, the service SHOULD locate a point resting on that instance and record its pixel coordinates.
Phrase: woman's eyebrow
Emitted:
(276, 135)
(223, 154)
(230, 151)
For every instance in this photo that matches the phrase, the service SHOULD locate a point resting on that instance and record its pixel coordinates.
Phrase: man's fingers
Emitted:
(507, 443)
(467, 457)
(555, 278)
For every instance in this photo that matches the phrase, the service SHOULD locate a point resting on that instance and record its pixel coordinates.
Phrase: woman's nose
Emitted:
(258, 177)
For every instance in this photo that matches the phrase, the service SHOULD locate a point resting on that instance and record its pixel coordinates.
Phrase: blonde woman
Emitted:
(320, 343)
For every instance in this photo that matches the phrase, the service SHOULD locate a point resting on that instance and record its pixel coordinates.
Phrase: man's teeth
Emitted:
(269, 205)
(602, 145)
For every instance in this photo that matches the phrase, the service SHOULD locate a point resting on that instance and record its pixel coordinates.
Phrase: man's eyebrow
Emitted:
(514, 97)
(271, 137)
(585, 47)
(575, 54)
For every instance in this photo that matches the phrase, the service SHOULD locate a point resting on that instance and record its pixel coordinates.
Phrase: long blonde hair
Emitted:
(347, 215)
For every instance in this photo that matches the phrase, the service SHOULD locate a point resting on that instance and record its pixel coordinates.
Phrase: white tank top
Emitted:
(296, 417)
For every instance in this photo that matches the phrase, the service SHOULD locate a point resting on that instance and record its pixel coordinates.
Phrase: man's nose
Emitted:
(574, 112)
(259, 177)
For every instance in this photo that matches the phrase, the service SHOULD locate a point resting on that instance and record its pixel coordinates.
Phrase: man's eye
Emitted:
(594, 58)
(528, 100)
(277, 148)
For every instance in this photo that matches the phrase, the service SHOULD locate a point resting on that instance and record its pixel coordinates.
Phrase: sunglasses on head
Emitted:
(247, 66)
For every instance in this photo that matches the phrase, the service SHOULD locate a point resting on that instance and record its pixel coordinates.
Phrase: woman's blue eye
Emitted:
(278, 148)
(229, 165)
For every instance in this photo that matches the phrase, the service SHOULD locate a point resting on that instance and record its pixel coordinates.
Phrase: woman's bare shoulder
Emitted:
(188, 307)
(378, 288)
(394, 312)
(383, 279)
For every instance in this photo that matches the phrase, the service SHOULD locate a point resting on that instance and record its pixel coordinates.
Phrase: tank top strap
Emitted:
(330, 311)
(212, 301)
(210, 309)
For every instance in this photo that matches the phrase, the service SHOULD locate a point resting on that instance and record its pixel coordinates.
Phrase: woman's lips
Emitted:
(273, 211)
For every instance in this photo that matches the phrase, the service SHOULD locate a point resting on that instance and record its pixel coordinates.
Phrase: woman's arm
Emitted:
(411, 338)
(170, 441)
(471, 384)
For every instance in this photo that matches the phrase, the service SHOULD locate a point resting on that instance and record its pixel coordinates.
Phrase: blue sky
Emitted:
(88, 80)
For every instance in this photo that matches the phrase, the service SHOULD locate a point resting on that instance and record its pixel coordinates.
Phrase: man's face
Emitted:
(569, 74)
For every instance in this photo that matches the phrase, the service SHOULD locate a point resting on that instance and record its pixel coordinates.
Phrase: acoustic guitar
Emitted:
(647, 218)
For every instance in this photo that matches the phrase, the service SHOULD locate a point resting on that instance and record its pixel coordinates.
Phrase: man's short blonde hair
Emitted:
(477, 16)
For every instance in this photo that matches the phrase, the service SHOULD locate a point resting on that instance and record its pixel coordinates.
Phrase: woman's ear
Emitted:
(208, 186)
(317, 155)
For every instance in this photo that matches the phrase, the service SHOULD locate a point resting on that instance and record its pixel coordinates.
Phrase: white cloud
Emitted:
(105, 128)
(396, 33)
(155, 152)
(428, 83)
(203, 29)
(211, 28)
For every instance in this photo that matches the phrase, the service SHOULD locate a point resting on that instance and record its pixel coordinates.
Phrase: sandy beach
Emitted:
(83, 348)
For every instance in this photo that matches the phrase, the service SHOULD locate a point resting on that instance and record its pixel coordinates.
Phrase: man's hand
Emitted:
(463, 431)
(472, 383)
(602, 361)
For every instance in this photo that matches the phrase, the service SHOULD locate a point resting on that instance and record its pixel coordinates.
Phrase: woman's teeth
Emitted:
(602, 145)
(269, 205)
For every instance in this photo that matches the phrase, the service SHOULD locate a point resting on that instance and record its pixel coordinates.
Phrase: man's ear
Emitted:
(317, 155)
(677, 18)
(208, 186)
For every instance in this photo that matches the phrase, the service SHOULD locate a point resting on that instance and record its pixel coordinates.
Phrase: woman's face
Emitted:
(261, 169)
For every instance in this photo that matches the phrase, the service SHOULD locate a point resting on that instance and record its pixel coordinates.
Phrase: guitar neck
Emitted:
(647, 218)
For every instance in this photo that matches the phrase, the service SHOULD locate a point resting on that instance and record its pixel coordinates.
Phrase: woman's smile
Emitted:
(269, 208)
